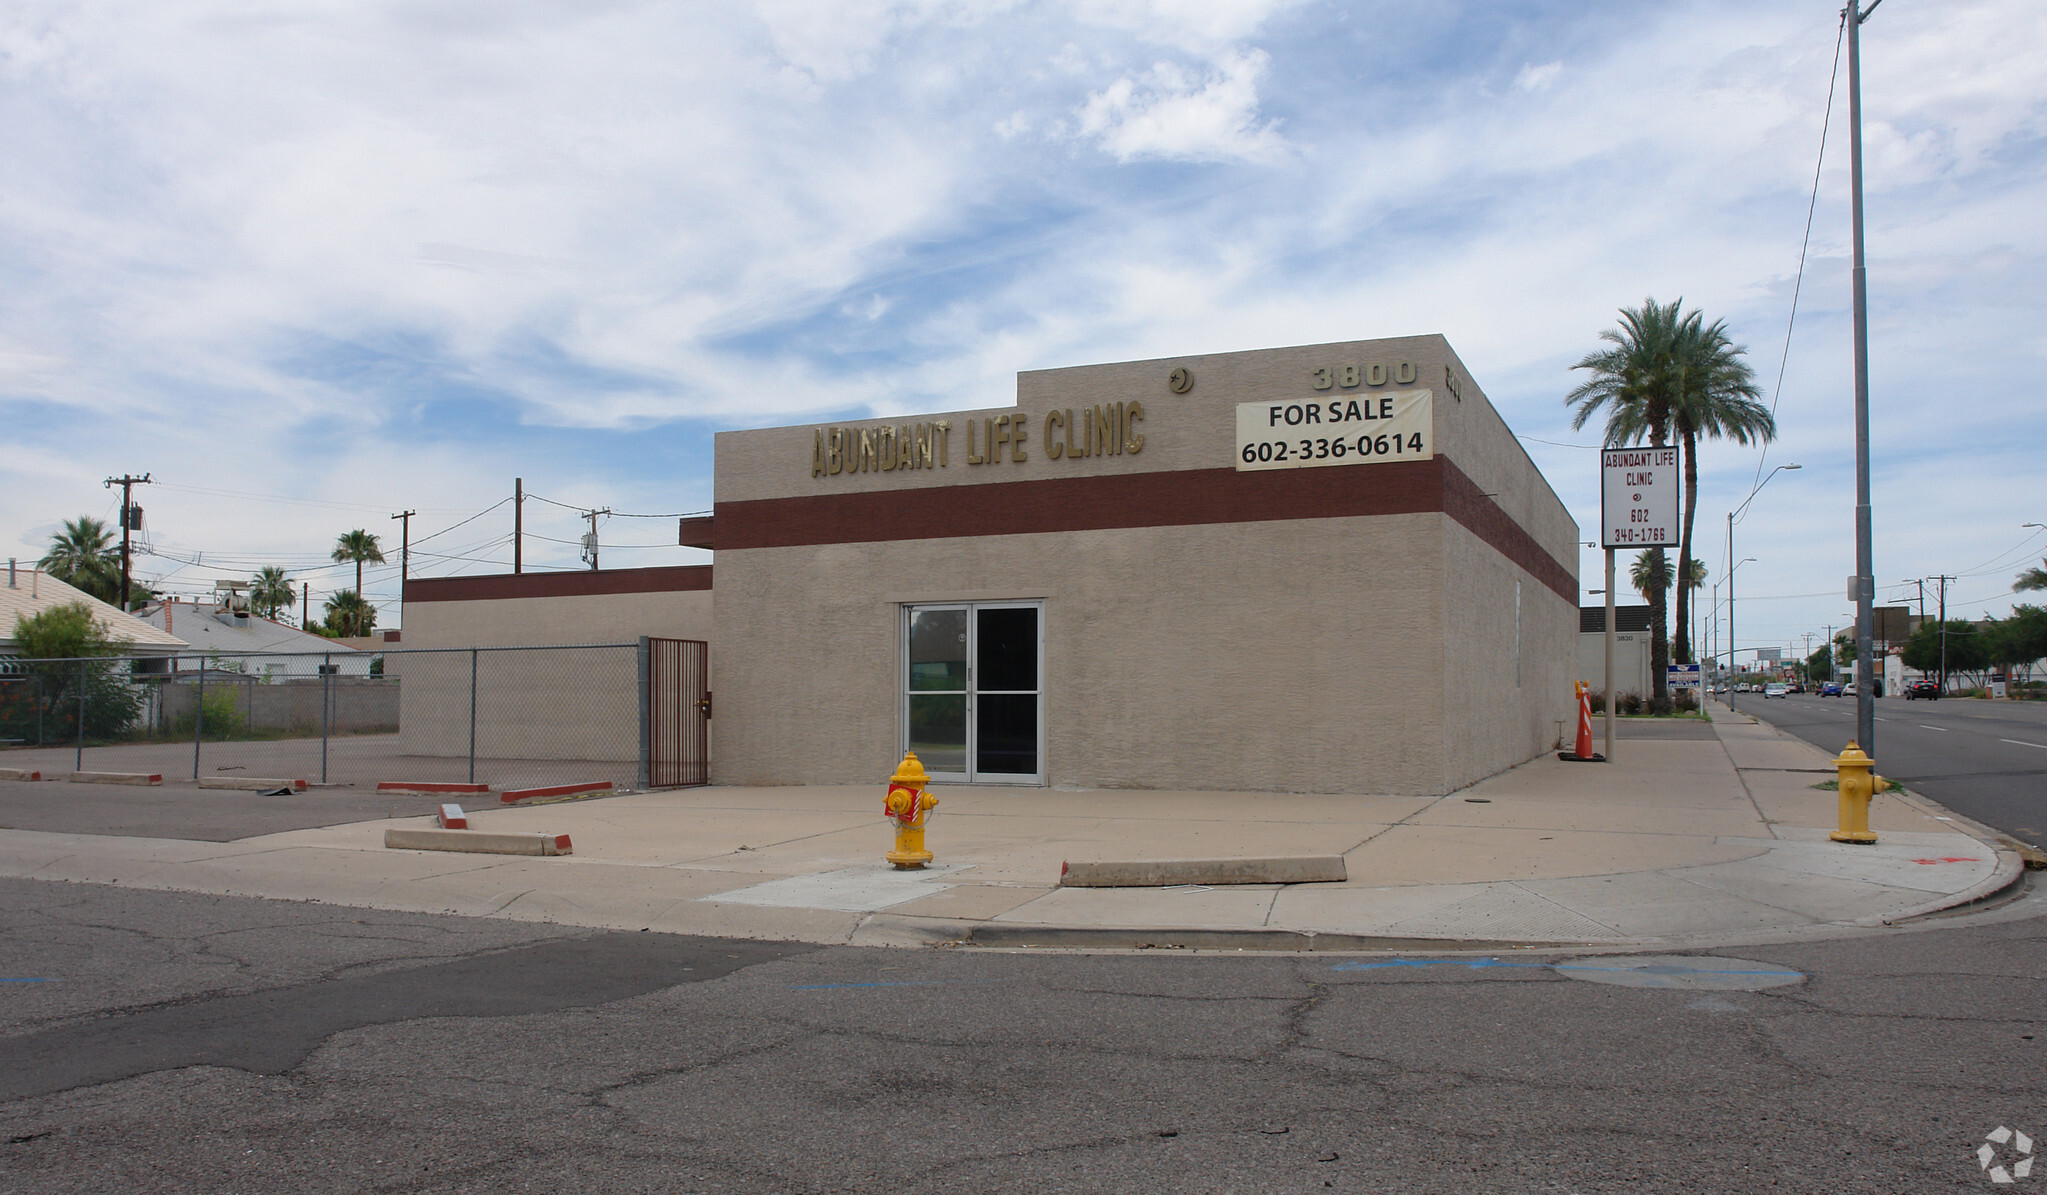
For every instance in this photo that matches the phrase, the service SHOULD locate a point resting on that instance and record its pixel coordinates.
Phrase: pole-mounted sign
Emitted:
(1638, 498)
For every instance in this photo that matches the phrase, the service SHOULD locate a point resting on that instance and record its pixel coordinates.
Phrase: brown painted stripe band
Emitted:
(671, 579)
(1179, 498)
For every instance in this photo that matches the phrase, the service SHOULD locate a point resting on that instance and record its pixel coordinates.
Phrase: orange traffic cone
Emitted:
(1582, 751)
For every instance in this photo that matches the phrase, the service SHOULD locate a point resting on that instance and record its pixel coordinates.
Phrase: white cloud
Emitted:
(1538, 78)
(1172, 111)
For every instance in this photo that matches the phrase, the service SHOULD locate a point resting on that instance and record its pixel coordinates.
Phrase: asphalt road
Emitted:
(171, 1042)
(1984, 759)
(186, 811)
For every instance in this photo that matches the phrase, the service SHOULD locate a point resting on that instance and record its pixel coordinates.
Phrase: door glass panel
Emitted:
(1007, 651)
(938, 652)
(1006, 732)
(938, 730)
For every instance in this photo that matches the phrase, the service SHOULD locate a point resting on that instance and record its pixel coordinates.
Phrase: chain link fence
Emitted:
(506, 717)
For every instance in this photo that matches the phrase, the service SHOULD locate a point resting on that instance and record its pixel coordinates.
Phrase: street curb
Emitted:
(1266, 940)
(2009, 871)
(512, 795)
(250, 783)
(150, 778)
(477, 842)
(19, 774)
(1160, 873)
(423, 788)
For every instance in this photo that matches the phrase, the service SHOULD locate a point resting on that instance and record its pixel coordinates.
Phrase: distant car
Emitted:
(1923, 688)
(1741, 687)
(1774, 691)
(1830, 689)
(1848, 690)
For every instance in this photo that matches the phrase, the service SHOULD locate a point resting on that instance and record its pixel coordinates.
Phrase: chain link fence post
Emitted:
(326, 709)
(80, 765)
(198, 719)
(644, 686)
(472, 715)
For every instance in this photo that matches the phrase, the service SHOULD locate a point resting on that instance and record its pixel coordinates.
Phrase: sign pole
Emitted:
(1609, 655)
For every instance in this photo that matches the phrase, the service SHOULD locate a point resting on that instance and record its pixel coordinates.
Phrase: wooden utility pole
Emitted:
(128, 523)
(518, 524)
(404, 549)
(590, 544)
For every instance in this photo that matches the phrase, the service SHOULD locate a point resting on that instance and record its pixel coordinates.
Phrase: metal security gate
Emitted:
(676, 712)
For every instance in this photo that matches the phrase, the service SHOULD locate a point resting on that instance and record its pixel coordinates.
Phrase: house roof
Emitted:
(198, 624)
(35, 591)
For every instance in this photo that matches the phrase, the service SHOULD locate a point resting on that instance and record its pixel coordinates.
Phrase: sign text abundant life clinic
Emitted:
(1069, 433)
(1638, 498)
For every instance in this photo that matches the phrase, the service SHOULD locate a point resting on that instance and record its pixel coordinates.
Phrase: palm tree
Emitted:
(1716, 396)
(2032, 578)
(1635, 381)
(270, 591)
(359, 546)
(83, 555)
(348, 615)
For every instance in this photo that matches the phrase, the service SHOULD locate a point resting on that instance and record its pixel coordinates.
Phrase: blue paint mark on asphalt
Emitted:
(901, 983)
(1479, 963)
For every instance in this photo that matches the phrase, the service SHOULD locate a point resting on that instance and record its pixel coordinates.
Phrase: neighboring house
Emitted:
(28, 592)
(237, 640)
(1631, 636)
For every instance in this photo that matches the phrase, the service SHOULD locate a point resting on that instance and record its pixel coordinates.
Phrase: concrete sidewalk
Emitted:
(1695, 841)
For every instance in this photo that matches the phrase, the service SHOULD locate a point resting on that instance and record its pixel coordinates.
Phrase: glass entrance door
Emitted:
(973, 703)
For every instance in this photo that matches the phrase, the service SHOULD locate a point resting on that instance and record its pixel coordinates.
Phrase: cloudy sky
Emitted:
(313, 264)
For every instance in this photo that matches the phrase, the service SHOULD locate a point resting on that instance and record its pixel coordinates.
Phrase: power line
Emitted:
(1798, 284)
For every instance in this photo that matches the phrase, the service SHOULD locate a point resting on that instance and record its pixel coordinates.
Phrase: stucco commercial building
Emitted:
(1329, 568)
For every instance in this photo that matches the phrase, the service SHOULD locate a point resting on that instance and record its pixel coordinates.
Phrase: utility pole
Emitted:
(306, 611)
(128, 522)
(1863, 584)
(1943, 579)
(404, 549)
(518, 525)
(590, 541)
(1805, 664)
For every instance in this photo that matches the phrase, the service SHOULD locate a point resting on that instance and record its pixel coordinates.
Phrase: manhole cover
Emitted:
(1688, 972)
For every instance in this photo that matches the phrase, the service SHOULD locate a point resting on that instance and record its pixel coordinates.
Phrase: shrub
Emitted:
(223, 719)
(1685, 700)
(1598, 702)
(1630, 704)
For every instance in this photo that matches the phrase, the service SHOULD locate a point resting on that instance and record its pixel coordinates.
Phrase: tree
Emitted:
(1715, 395)
(84, 556)
(1672, 374)
(1965, 649)
(271, 591)
(2016, 643)
(349, 616)
(2032, 578)
(359, 546)
(74, 650)
(1634, 382)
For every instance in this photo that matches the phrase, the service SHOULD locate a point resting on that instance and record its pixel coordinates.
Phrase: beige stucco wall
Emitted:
(1175, 657)
(1335, 655)
(578, 703)
(595, 618)
(1630, 661)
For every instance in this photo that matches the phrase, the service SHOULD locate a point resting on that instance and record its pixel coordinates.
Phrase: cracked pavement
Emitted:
(210, 1043)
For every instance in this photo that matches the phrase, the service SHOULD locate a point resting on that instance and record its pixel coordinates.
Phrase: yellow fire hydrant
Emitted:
(909, 807)
(1858, 783)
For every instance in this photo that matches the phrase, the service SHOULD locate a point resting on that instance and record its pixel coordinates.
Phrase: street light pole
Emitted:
(1864, 583)
(1732, 515)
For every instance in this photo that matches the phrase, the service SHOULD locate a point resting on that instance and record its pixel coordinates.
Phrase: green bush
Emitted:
(223, 718)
